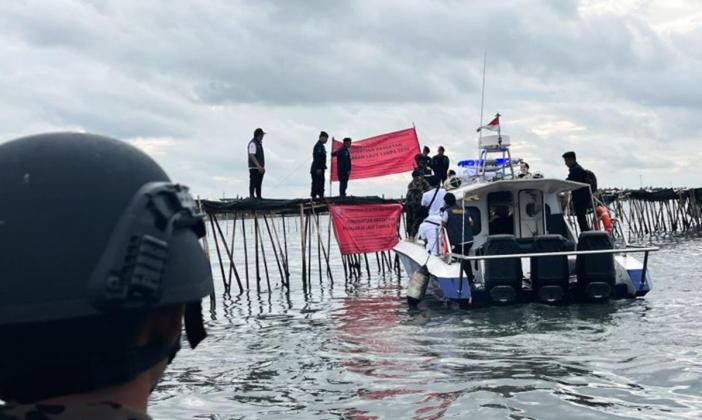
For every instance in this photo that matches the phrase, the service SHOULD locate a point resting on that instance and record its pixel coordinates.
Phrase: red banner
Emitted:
(365, 228)
(385, 154)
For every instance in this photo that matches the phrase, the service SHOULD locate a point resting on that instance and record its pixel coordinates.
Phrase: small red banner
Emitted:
(365, 228)
(385, 154)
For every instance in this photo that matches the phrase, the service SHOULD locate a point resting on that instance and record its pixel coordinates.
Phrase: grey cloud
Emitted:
(206, 73)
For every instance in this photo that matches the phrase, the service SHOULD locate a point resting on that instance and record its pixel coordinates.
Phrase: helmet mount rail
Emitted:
(131, 276)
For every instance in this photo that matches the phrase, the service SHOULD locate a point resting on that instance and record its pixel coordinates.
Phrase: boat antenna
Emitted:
(482, 94)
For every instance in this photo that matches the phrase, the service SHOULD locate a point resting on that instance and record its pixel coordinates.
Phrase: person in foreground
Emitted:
(104, 269)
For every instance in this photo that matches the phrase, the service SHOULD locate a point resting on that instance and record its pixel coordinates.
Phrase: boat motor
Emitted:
(417, 286)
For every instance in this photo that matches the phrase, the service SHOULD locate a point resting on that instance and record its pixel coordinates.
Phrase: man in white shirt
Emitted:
(429, 231)
(434, 199)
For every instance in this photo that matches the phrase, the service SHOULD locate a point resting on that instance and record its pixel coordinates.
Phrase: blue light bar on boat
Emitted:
(469, 163)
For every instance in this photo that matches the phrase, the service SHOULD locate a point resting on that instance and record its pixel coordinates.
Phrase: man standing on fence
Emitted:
(343, 165)
(582, 199)
(319, 165)
(257, 163)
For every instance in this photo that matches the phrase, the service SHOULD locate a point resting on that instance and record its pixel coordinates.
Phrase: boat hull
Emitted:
(446, 281)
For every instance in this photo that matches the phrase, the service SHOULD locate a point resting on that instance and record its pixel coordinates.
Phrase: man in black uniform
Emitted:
(319, 165)
(343, 165)
(582, 200)
(440, 164)
(92, 298)
(459, 227)
(257, 163)
(423, 162)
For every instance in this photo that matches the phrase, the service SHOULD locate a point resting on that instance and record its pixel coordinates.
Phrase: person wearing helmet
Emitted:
(100, 267)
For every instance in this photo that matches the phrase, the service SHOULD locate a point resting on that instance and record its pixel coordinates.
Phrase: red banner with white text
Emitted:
(385, 154)
(365, 228)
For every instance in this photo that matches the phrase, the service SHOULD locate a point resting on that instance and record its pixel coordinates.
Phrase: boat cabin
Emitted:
(525, 208)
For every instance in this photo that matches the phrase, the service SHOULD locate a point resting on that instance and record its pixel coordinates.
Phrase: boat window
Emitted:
(501, 213)
(531, 216)
(555, 223)
(474, 214)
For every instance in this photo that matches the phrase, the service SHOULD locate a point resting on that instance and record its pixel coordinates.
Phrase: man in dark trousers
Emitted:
(440, 164)
(459, 227)
(582, 200)
(257, 163)
(343, 165)
(319, 165)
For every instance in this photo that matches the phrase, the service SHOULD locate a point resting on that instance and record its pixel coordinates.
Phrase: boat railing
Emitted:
(628, 250)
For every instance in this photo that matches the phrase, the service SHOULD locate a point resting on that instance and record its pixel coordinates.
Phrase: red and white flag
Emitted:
(493, 125)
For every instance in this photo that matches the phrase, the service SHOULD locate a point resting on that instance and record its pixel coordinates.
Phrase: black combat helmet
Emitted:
(93, 236)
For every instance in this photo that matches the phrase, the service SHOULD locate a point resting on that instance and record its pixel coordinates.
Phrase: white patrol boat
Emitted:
(523, 249)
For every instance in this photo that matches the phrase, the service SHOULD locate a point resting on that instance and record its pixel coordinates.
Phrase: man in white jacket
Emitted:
(429, 231)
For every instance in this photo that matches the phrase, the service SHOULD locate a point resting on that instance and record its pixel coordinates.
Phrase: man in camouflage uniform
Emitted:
(104, 269)
(413, 203)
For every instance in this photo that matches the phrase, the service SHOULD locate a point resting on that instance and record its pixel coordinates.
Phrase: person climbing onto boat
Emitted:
(433, 200)
(413, 203)
(93, 299)
(429, 232)
(257, 163)
(343, 165)
(459, 227)
(319, 165)
(440, 164)
(582, 199)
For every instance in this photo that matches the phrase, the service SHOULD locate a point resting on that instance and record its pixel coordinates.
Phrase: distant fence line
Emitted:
(656, 211)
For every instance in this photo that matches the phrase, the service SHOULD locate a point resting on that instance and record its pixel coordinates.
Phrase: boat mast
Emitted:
(482, 100)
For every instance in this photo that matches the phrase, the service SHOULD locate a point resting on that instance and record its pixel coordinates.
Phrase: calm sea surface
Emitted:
(352, 350)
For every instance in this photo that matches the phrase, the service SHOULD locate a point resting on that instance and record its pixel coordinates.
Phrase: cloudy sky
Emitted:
(619, 82)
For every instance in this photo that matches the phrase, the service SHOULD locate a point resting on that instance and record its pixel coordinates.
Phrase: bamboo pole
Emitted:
(258, 269)
(263, 255)
(275, 251)
(230, 255)
(324, 250)
(206, 247)
(302, 242)
(283, 257)
(308, 226)
(287, 260)
(246, 252)
(232, 267)
(219, 256)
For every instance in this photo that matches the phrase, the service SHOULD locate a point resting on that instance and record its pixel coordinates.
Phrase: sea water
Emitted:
(351, 349)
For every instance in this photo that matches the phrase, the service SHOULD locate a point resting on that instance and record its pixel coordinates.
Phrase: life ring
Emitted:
(603, 215)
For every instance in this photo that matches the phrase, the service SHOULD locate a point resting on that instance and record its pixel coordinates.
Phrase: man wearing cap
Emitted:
(343, 165)
(257, 163)
(582, 199)
(319, 165)
(93, 298)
